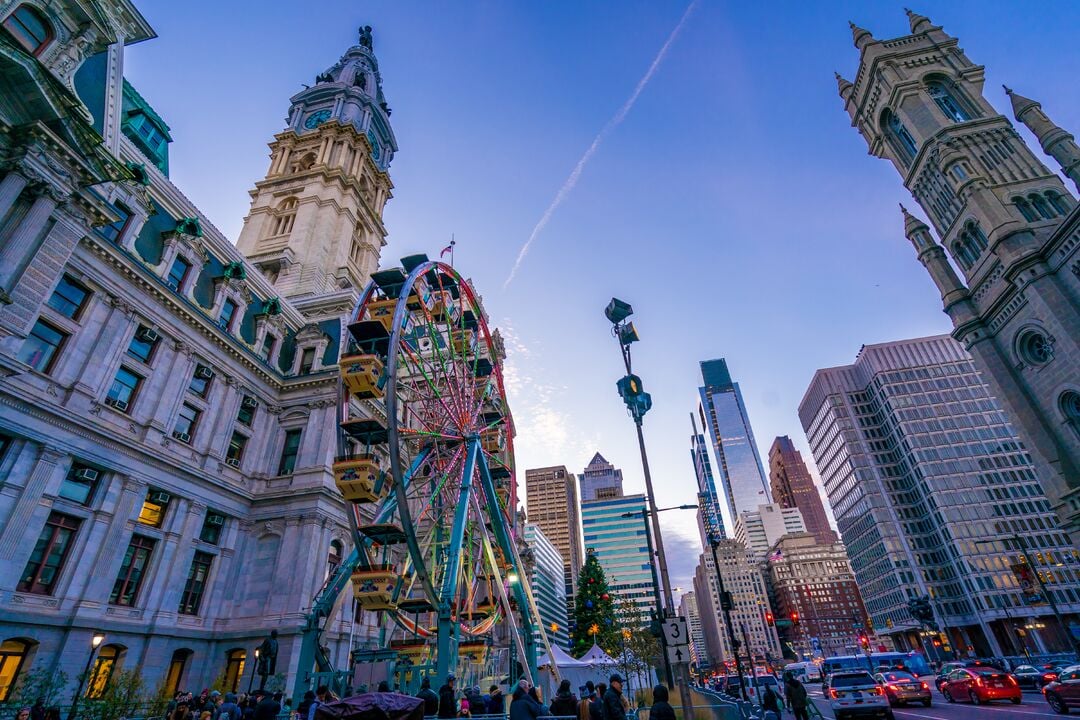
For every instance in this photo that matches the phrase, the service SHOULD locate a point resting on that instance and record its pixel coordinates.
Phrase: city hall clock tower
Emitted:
(315, 226)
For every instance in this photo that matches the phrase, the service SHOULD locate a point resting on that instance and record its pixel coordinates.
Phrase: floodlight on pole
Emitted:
(617, 311)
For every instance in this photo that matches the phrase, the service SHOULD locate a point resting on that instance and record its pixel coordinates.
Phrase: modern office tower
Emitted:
(622, 549)
(1007, 222)
(724, 415)
(551, 497)
(760, 529)
(793, 487)
(169, 393)
(549, 586)
(743, 579)
(819, 610)
(710, 514)
(600, 479)
(934, 495)
(688, 609)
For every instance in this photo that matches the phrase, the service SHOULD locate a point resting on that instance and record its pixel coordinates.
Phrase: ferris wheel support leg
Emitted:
(448, 627)
(506, 543)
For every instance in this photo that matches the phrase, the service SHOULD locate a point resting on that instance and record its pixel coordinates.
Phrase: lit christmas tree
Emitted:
(594, 611)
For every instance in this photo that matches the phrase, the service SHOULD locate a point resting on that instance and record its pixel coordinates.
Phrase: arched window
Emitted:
(333, 558)
(1025, 209)
(961, 253)
(977, 239)
(947, 102)
(1070, 408)
(302, 163)
(234, 669)
(102, 671)
(1057, 203)
(30, 28)
(13, 654)
(1041, 206)
(902, 140)
(285, 215)
(177, 665)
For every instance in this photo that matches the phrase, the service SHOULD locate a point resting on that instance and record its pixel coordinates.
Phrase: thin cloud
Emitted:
(614, 122)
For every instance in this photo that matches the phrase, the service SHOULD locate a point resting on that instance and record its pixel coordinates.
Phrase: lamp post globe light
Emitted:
(254, 669)
(639, 402)
(95, 643)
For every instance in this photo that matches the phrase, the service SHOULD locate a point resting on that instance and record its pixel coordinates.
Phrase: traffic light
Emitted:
(794, 618)
(769, 619)
(864, 640)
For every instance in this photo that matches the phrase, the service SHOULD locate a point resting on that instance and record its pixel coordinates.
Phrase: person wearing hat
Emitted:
(495, 703)
(661, 709)
(564, 704)
(448, 698)
(524, 706)
(613, 707)
(431, 700)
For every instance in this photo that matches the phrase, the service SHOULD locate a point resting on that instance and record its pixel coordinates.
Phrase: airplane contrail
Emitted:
(611, 124)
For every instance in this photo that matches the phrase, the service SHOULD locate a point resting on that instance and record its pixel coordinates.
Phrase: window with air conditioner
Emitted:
(143, 344)
(187, 420)
(79, 484)
(154, 507)
(124, 388)
(246, 414)
(200, 380)
(212, 526)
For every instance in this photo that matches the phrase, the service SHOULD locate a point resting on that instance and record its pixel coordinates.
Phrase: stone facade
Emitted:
(793, 487)
(1007, 222)
(168, 414)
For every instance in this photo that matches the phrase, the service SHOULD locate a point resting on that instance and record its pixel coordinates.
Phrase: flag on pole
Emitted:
(448, 249)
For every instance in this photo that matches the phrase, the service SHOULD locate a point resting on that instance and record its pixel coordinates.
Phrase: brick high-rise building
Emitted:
(793, 487)
(552, 504)
(814, 589)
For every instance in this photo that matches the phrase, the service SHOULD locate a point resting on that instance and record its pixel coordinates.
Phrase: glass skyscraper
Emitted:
(548, 586)
(709, 514)
(724, 414)
(622, 549)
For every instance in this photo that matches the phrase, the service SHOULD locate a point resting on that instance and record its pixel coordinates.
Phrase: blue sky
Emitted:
(734, 206)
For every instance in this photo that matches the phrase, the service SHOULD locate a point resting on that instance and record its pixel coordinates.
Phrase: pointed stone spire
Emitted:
(1055, 141)
(933, 258)
(860, 36)
(916, 231)
(911, 223)
(843, 85)
(918, 22)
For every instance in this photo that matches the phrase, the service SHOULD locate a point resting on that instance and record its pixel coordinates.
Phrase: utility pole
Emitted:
(639, 402)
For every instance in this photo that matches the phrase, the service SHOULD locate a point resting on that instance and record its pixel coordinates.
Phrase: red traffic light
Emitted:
(795, 618)
(769, 619)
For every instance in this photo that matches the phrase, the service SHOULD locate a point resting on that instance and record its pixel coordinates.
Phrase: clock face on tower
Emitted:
(316, 119)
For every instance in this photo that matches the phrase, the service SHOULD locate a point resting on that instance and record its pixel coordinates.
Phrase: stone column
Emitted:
(108, 542)
(100, 352)
(10, 188)
(20, 246)
(168, 574)
(176, 381)
(18, 523)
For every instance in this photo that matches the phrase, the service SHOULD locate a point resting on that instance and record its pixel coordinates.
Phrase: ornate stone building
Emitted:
(1004, 220)
(167, 399)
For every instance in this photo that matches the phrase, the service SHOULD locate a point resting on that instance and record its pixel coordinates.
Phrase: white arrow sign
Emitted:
(678, 654)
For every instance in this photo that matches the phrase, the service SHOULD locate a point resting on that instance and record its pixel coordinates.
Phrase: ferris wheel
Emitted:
(425, 461)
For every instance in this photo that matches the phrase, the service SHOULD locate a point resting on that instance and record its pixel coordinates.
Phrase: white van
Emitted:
(804, 671)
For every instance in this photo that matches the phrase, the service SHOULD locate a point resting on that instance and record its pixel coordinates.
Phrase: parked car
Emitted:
(756, 687)
(1063, 694)
(731, 686)
(1029, 676)
(946, 668)
(857, 694)
(902, 688)
(981, 685)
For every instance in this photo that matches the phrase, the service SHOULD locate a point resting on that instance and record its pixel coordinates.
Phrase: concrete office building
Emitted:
(552, 504)
(933, 493)
(793, 487)
(599, 480)
(760, 529)
(688, 609)
(549, 589)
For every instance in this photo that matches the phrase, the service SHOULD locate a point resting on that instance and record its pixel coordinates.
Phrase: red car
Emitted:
(1064, 693)
(980, 685)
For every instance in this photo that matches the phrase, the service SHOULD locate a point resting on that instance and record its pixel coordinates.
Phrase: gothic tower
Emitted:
(315, 226)
(1005, 221)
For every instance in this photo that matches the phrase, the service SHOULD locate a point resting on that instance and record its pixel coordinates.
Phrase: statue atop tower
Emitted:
(315, 226)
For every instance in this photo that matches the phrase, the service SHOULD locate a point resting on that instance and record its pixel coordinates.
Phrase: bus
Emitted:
(912, 662)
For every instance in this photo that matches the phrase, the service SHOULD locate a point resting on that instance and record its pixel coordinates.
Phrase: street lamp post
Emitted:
(1019, 540)
(254, 667)
(714, 536)
(95, 641)
(639, 402)
(645, 513)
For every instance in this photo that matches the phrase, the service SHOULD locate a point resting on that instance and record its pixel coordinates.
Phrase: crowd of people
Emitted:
(213, 705)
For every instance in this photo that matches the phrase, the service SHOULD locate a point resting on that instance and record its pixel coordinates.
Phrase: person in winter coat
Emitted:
(596, 707)
(496, 702)
(229, 710)
(448, 698)
(565, 703)
(522, 705)
(476, 700)
(612, 706)
(796, 696)
(661, 709)
(770, 700)
(431, 700)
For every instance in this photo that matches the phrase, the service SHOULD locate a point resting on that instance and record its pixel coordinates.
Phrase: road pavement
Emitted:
(1033, 707)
